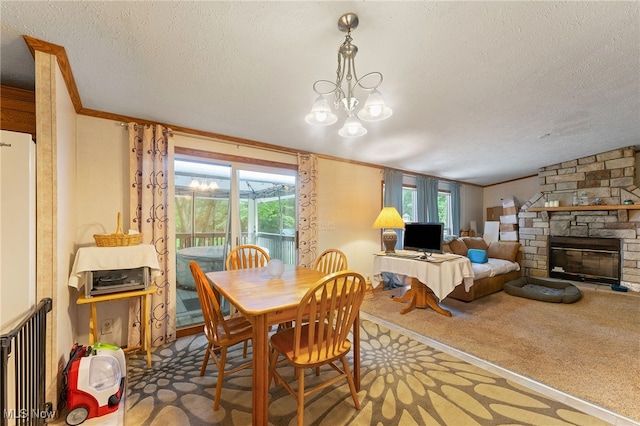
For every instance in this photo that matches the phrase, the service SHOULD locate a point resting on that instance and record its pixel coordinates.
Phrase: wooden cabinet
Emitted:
(494, 213)
(18, 112)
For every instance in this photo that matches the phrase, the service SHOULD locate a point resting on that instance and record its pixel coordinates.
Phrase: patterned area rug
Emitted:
(404, 382)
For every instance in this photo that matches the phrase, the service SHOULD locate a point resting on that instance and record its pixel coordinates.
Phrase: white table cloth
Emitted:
(111, 258)
(441, 276)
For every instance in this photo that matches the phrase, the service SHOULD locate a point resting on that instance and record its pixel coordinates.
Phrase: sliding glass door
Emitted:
(221, 205)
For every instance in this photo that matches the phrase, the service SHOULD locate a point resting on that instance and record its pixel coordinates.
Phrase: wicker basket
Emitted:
(119, 238)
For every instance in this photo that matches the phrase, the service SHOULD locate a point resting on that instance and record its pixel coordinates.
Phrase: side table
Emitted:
(145, 332)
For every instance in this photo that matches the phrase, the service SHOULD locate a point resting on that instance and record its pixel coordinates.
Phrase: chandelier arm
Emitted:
(359, 81)
(336, 87)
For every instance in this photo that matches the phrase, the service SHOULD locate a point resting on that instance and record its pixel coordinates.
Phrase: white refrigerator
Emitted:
(17, 227)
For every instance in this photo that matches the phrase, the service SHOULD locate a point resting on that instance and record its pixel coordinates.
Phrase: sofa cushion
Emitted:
(458, 246)
(475, 243)
(507, 250)
(477, 256)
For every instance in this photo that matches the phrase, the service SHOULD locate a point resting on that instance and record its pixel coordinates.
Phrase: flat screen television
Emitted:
(425, 237)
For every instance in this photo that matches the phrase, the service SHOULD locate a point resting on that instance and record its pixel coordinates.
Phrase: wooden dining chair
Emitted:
(332, 304)
(330, 261)
(221, 332)
(247, 256)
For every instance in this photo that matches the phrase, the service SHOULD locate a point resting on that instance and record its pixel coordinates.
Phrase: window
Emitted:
(444, 211)
(409, 204)
(410, 208)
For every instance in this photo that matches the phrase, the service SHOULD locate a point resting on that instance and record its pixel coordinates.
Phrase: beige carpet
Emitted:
(589, 349)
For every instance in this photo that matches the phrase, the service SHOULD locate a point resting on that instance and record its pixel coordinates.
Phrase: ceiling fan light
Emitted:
(321, 114)
(352, 128)
(375, 109)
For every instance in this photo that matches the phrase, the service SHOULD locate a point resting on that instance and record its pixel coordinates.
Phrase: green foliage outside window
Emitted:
(269, 215)
(443, 208)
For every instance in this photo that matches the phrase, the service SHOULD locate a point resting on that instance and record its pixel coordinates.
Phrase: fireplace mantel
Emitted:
(584, 208)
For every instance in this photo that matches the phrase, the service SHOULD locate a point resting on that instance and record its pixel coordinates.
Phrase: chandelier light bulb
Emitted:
(321, 114)
(374, 108)
(352, 128)
(194, 184)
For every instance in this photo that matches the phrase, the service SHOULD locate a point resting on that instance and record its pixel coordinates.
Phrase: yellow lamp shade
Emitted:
(389, 218)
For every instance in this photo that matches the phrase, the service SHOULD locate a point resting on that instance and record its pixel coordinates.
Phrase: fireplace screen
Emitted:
(585, 259)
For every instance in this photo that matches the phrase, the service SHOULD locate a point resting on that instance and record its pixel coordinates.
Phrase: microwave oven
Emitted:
(116, 280)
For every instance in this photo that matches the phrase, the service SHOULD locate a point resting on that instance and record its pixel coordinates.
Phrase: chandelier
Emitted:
(203, 185)
(374, 108)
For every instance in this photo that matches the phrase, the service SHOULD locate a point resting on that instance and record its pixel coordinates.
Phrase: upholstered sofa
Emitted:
(501, 254)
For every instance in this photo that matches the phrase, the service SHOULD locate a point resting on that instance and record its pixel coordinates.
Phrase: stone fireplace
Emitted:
(600, 185)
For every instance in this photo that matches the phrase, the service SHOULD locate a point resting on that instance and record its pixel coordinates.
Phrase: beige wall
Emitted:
(66, 217)
(471, 207)
(522, 190)
(102, 181)
(349, 200)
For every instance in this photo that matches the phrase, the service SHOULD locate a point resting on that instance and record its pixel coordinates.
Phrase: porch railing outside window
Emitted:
(279, 246)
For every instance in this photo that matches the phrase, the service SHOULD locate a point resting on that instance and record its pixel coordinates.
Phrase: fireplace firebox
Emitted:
(585, 259)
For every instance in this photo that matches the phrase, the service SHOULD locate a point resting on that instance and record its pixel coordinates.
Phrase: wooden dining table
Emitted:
(267, 301)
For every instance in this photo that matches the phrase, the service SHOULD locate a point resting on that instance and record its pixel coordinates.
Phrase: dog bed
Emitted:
(544, 290)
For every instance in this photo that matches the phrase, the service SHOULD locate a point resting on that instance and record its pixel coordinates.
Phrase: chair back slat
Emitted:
(247, 256)
(331, 307)
(215, 325)
(330, 261)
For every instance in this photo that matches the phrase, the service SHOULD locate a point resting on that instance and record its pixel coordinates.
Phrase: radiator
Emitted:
(23, 370)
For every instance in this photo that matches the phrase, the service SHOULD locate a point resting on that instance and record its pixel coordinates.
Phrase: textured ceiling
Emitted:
(482, 92)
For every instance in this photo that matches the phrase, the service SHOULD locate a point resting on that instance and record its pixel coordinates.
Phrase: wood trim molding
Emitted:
(232, 158)
(63, 63)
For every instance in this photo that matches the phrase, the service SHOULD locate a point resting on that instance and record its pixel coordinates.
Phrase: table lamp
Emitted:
(388, 219)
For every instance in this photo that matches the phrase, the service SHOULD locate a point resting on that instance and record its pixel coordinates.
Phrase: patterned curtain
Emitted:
(307, 209)
(151, 211)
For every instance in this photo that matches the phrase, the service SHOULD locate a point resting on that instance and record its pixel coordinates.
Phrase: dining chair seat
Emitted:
(283, 343)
